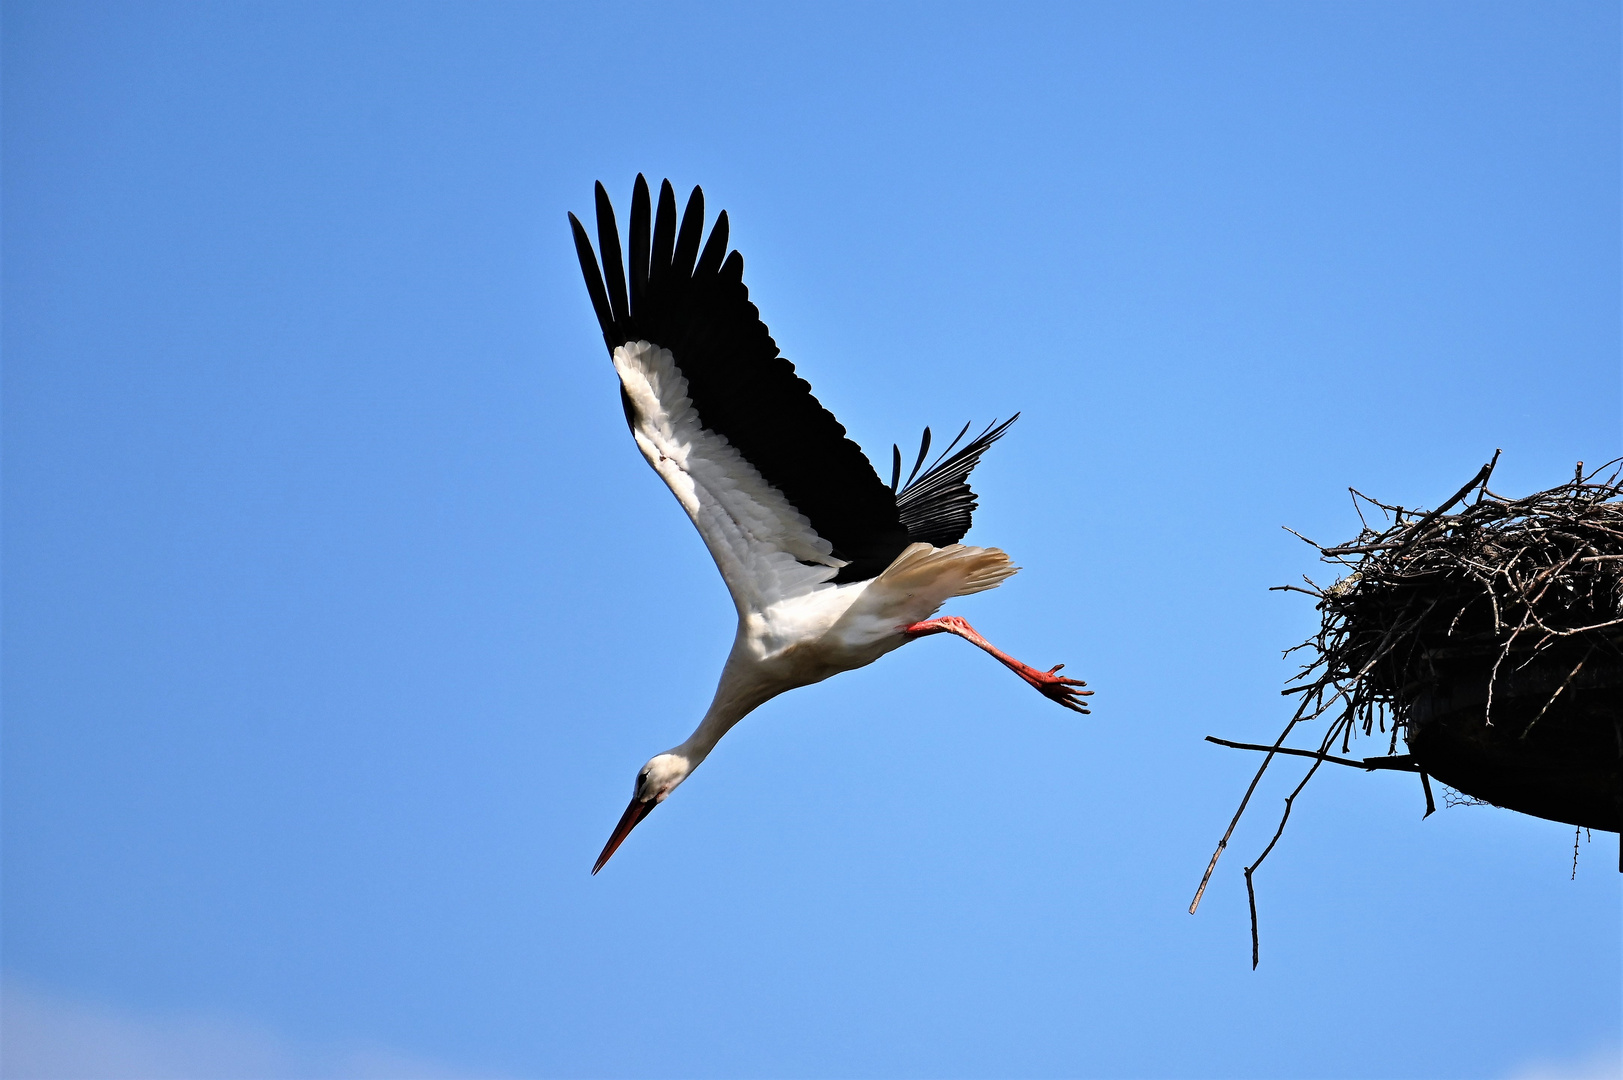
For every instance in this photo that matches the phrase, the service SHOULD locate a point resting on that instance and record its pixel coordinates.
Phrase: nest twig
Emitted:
(1490, 637)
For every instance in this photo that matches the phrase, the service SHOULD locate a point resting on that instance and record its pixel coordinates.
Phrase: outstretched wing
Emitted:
(936, 508)
(784, 501)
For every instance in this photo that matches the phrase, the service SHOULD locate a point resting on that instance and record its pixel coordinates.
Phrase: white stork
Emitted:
(829, 568)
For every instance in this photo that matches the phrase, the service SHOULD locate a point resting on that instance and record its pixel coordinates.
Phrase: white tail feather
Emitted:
(929, 576)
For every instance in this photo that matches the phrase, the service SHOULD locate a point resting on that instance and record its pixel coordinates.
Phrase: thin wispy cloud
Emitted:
(1602, 1063)
(46, 1036)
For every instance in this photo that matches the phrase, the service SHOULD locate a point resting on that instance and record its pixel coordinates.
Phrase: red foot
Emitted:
(1047, 683)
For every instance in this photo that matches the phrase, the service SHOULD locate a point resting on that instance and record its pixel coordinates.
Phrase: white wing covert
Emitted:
(767, 550)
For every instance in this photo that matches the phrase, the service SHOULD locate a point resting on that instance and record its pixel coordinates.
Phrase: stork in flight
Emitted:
(829, 568)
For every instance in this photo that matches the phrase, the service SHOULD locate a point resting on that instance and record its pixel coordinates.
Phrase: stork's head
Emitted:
(655, 780)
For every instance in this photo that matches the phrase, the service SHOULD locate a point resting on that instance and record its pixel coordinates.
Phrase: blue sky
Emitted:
(339, 609)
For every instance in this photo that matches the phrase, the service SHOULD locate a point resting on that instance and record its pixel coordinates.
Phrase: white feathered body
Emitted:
(795, 626)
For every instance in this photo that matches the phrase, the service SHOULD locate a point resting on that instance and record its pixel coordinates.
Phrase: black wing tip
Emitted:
(938, 506)
(924, 451)
(715, 249)
(947, 459)
(594, 279)
(639, 238)
(991, 433)
(618, 278)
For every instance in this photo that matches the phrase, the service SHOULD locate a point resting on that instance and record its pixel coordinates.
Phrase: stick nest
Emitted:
(1490, 638)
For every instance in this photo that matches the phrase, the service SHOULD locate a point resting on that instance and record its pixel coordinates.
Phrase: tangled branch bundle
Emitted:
(1490, 638)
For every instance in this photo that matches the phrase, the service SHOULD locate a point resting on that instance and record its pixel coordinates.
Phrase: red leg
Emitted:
(1050, 685)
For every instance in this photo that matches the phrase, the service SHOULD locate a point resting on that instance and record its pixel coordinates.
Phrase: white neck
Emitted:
(741, 690)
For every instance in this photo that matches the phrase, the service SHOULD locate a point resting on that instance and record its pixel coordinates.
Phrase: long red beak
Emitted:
(628, 821)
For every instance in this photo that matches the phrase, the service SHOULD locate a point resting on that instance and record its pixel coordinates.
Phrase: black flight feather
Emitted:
(594, 280)
(924, 448)
(687, 241)
(608, 242)
(639, 248)
(938, 506)
(714, 249)
(664, 233)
